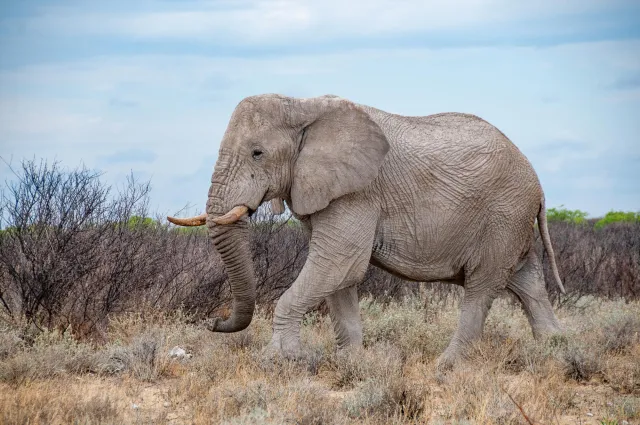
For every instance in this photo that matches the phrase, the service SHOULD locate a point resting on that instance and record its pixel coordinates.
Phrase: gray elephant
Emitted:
(444, 197)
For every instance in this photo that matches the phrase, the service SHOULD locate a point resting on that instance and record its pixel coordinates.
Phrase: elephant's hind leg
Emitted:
(345, 317)
(528, 285)
(481, 288)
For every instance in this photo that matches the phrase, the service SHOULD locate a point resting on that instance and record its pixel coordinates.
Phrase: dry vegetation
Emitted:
(130, 378)
(92, 301)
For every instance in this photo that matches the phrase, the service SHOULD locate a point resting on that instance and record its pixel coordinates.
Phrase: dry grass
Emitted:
(593, 368)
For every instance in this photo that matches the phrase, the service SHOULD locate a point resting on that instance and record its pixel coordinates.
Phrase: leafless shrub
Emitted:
(68, 251)
(74, 251)
(603, 262)
(10, 343)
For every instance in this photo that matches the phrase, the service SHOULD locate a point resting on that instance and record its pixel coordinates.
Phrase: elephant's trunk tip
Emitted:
(230, 325)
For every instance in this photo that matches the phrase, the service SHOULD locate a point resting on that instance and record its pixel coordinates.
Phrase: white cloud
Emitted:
(294, 21)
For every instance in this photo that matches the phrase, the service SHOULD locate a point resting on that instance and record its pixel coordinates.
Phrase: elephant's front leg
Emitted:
(344, 310)
(339, 253)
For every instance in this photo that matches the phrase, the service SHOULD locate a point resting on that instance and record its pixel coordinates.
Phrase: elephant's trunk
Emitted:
(228, 229)
(232, 242)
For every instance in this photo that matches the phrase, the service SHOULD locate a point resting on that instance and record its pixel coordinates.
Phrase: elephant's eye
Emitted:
(257, 154)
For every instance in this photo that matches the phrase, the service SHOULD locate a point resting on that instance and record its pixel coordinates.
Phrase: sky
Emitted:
(147, 87)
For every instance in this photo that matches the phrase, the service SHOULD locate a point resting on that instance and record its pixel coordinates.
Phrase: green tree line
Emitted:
(562, 214)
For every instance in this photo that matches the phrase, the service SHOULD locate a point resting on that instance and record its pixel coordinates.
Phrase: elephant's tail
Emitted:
(546, 241)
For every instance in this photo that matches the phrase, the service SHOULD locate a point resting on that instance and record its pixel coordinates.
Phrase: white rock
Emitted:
(166, 404)
(590, 414)
(135, 406)
(178, 353)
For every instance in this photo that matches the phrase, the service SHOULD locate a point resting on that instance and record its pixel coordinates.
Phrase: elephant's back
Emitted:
(452, 135)
(456, 148)
(443, 136)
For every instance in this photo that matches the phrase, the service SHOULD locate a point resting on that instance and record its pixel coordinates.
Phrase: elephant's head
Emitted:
(307, 151)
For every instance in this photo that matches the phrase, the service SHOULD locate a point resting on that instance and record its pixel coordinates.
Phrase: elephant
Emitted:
(445, 197)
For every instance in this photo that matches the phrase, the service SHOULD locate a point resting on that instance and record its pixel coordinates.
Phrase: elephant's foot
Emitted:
(546, 331)
(283, 348)
(455, 353)
(447, 361)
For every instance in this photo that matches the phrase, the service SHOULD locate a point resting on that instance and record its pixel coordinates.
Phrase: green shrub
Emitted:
(568, 216)
(136, 221)
(618, 217)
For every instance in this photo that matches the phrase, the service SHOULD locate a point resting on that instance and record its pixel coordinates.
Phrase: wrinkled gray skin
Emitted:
(444, 197)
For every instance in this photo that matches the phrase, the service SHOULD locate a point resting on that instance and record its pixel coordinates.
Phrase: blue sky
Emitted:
(148, 86)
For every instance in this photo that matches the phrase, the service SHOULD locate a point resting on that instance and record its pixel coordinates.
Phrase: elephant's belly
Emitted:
(402, 259)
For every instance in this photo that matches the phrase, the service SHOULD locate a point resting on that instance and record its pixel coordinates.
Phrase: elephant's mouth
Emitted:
(235, 214)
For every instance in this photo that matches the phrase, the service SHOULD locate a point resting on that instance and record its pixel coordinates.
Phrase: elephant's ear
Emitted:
(341, 152)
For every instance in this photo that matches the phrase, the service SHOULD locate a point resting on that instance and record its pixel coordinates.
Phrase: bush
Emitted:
(74, 251)
(603, 262)
(617, 217)
(136, 222)
(566, 216)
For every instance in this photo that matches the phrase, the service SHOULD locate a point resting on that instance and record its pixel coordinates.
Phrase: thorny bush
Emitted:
(74, 251)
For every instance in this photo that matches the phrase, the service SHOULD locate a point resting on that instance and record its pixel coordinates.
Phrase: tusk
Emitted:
(232, 216)
(198, 220)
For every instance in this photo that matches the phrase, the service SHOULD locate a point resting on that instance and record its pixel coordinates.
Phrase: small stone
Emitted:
(135, 406)
(589, 414)
(177, 353)
(166, 404)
